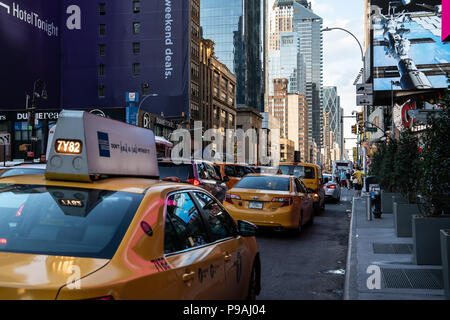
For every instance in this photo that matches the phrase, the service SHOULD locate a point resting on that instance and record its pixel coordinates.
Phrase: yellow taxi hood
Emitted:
(39, 277)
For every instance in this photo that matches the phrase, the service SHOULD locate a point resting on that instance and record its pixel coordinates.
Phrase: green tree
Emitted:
(407, 165)
(435, 168)
(387, 166)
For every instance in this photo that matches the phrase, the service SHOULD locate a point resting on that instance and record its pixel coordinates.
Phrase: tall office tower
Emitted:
(332, 106)
(287, 62)
(291, 109)
(237, 28)
(296, 16)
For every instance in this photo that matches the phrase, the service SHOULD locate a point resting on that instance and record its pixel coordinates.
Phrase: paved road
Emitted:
(302, 268)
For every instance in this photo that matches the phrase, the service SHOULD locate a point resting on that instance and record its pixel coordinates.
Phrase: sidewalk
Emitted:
(374, 245)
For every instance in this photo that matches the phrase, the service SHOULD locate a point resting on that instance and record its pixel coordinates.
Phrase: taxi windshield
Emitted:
(49, 220)
(302, 172)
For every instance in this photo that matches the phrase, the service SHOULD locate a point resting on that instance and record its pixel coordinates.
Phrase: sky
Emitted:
(342, 56)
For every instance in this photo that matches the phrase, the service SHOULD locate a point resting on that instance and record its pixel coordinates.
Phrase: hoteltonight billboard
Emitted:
(29, 50)
(407, 45)
(72, 65)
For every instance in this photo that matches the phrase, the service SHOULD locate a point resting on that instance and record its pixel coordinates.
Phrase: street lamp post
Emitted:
(38, 85)
(363, 69)
(140, 104)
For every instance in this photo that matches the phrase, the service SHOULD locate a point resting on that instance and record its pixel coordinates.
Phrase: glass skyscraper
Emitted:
(296, 17)
(332, 106)
(237, 28)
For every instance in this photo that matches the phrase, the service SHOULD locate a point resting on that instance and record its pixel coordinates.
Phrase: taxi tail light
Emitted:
(285, 201)
(230, 197)
(194, 182)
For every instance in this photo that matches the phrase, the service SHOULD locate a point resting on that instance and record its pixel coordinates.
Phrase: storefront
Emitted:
(160, 126)
(16, 124)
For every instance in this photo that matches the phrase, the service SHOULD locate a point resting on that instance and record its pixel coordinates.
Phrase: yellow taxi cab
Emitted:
(311, 176)
(278, 201)
(233, 171)
(101, 225)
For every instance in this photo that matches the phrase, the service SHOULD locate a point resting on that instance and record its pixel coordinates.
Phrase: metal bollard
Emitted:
(368, 208)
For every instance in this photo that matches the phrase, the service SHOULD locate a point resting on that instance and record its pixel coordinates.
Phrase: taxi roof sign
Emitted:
(86, 145)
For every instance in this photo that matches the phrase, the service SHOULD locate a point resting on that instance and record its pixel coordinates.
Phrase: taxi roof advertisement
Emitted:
(64, 43)
(30, 50)
(113, 148)
(408, 47)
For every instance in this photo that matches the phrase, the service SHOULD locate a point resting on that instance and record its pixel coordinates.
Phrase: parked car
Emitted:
(332, 188)
(196, 172)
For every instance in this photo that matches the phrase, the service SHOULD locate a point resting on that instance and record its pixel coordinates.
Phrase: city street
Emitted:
(311, 266)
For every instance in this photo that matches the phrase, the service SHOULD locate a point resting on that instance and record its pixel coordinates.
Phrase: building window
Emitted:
(136, 27)
(145, 88)
(102, 29)
(101, 91)
(101, 70)
(102, 8)
(136, 69)
(136, 47)
(136, 6)
(102, 50)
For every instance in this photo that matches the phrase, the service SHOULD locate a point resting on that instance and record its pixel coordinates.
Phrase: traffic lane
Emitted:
(310, 266)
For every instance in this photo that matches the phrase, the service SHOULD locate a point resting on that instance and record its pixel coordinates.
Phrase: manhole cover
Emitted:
(392, 248)
(430, 279)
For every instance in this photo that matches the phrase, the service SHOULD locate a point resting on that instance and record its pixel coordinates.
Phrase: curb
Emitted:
(349, 255)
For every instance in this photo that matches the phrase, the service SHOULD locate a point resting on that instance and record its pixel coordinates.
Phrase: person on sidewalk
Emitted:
(358, 174)
(343, 179)
(348, 175)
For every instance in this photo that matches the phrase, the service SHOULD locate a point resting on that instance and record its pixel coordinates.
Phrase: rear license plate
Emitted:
(255, 205)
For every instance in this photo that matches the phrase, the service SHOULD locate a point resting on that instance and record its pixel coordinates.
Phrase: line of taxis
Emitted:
(101, 225)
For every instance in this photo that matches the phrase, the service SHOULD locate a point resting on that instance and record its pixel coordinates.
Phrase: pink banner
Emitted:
(445, 20)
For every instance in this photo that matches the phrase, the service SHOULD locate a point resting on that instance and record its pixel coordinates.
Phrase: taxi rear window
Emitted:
(264, 183)
(182, 171)
(73, 222)
(301, 172)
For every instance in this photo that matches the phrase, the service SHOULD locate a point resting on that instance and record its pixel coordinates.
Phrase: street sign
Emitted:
(365, 100)
(5, 139)
(374, 130)
(364, 88)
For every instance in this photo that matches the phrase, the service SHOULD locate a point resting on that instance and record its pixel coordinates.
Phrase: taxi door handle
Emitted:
(188, 276)
(227, 257)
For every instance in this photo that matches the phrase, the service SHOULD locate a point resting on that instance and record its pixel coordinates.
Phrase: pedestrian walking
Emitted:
(358, 174)
(348, 175)
(343, 179)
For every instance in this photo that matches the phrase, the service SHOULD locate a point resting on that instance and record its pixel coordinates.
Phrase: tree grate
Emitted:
(392, 248)
(428, 279)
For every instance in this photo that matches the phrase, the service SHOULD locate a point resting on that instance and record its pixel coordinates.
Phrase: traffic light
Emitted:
(354, 129)
(360, 122)
(360, 118)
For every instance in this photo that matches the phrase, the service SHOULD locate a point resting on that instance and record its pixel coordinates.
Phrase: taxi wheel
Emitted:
(311, 220)
(252, 287)
(298, 231)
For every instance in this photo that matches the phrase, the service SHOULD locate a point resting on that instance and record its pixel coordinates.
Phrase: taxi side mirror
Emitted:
(246, 229)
